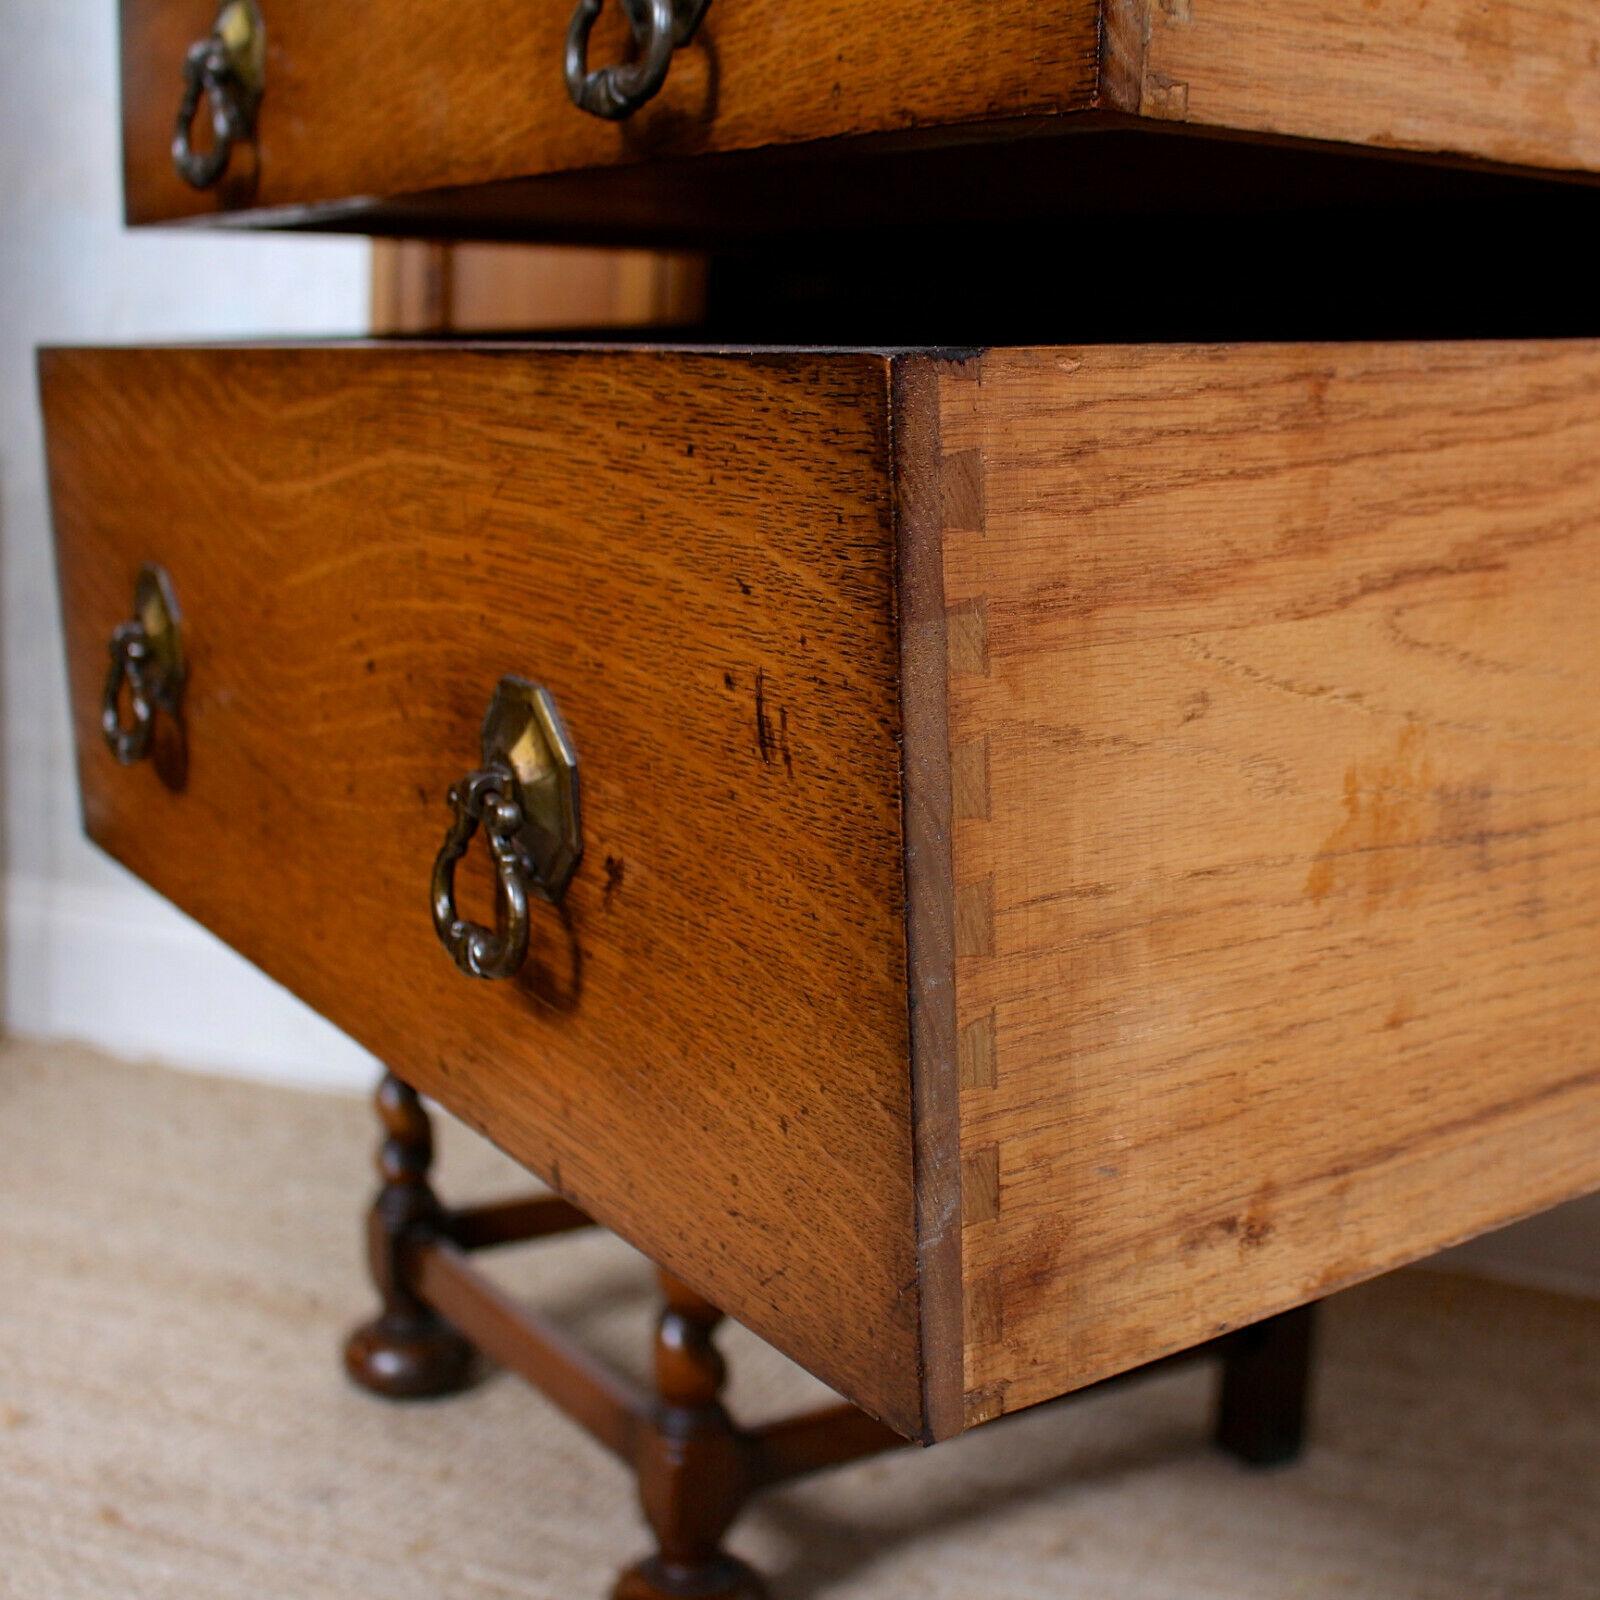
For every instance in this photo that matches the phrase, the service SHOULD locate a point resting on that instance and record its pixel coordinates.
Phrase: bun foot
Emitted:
(725, 1578)
(403, 1357)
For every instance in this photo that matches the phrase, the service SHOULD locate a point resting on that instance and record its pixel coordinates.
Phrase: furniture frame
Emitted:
(696, 1466)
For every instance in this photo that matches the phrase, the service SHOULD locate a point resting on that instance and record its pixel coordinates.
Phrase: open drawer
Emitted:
(1081, 849)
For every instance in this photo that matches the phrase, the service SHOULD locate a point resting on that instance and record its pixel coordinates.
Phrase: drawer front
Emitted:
(368, 101)
(373, 98)
(695, 555)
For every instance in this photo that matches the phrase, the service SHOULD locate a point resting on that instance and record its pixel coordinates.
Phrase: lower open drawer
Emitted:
(1081, 848)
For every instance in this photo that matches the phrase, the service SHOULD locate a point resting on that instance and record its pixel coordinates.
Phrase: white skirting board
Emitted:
(121, 969)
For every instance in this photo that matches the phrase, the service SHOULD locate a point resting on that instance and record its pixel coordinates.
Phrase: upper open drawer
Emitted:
(456, 115)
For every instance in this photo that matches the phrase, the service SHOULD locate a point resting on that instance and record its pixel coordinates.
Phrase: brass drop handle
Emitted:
(227, 69)
(616, 92)
(485, 799)
(525, 799)
(147, 661)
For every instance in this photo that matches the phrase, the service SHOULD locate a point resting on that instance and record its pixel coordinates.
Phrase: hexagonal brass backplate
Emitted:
(243, 33)
(156, 610)
(524, 730)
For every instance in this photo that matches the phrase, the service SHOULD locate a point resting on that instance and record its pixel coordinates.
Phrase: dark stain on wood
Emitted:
(616, 869)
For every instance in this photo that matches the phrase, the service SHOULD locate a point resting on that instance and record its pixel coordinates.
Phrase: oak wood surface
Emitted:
(378, 97)
(696, 554)
(459, 111)
(1516, 81)
(1274, 673)
(425, 287)
(1238, 941)
(926, 786)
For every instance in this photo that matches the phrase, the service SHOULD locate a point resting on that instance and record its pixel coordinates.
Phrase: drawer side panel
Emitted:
(1275, 681)
(1503, 80)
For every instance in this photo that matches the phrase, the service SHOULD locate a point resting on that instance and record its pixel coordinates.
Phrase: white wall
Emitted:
(88, 952)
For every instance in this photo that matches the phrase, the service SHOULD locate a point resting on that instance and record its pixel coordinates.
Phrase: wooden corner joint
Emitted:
(975, 1064)
(969, 780)
(1129, 80)
(975, 918)
(984, 1405)
(980, 1185)
(967, 638)
(963, 494)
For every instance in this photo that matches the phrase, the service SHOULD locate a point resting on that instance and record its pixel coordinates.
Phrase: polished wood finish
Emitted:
(1505, 80)
(691, 1478)
(424, 287)
(514, 1222)
(1273, 673)
(385, 97)
(1089, 848)
(602, 1402)
(696, 554)
(927, 807)
(413, 289)
(696, 1467)
(425, 115)
(407, 1351)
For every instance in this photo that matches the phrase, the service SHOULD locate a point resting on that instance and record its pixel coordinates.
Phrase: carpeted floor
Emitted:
(179, 1256)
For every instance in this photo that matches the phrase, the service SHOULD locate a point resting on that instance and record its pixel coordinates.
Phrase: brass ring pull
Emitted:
(228, 70)
(616, 92)
(498, 952)
(130, 650)
(525, 799)
(147, 661)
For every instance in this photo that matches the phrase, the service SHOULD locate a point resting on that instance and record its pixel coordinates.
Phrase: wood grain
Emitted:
(1286, 958)
(386, 97)
(412, 287)
(1516, 81)
(424, 287)
(696, 553)
(927, 778)
(433, 116)
(1086, 848)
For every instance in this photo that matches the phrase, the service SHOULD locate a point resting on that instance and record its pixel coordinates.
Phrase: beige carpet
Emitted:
(178, 1257)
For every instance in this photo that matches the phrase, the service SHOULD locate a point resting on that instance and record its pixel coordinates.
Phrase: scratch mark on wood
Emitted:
(764, 740)
(616, 868)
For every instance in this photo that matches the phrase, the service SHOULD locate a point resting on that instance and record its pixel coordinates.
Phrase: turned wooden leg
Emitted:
(1266, 1389)
(407, 1351)
(694, 1470)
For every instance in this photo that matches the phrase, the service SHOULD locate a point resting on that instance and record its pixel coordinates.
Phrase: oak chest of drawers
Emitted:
(1007, 863)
